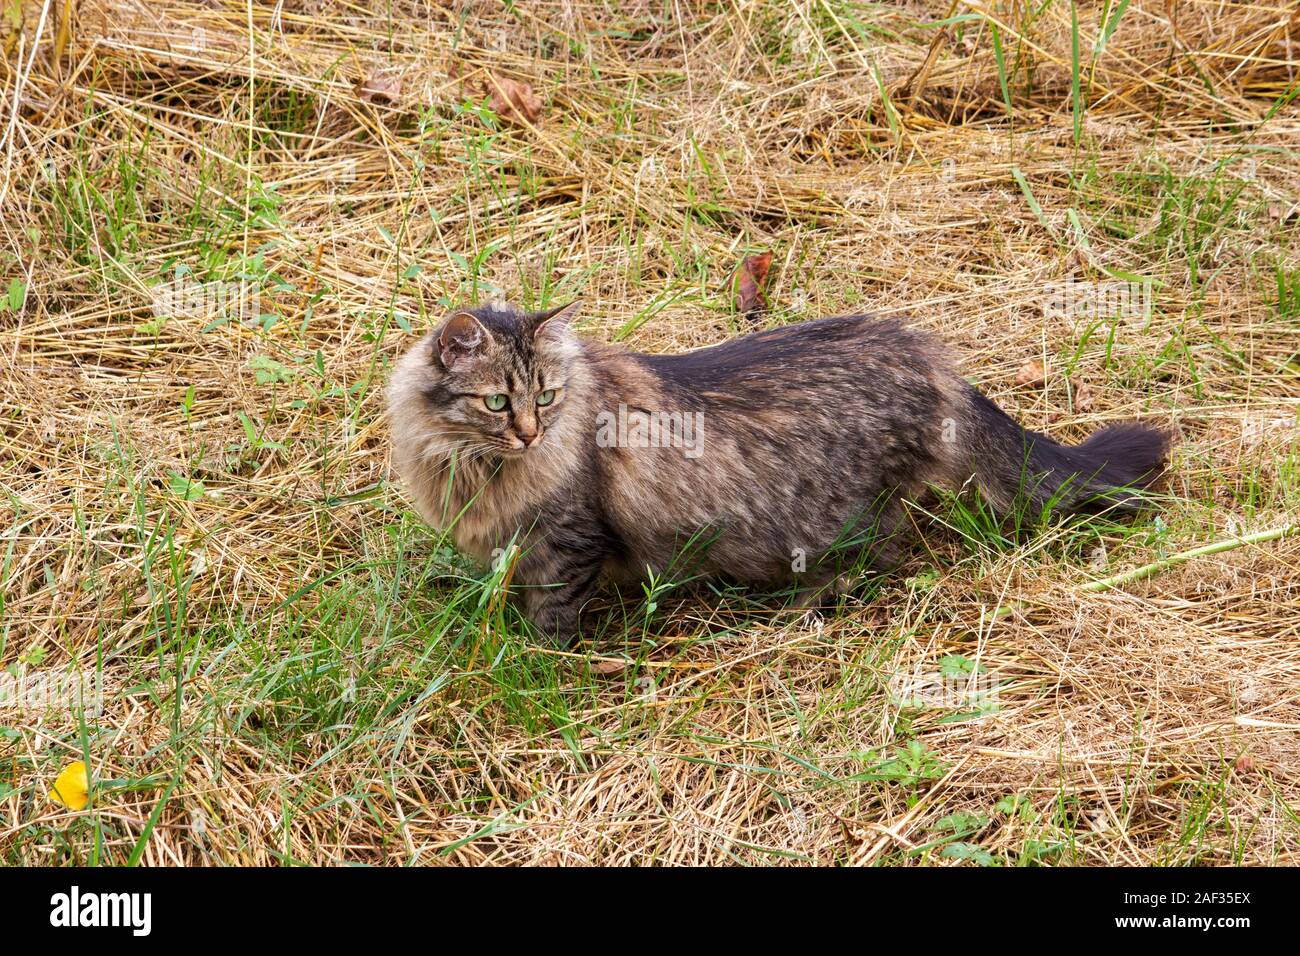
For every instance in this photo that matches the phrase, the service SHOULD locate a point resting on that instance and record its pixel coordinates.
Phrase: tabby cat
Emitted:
(779, 458)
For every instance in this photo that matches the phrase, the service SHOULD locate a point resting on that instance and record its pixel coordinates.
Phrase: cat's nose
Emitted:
(529, 438)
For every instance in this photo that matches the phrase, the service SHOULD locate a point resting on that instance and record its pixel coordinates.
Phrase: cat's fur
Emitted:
(812, 434)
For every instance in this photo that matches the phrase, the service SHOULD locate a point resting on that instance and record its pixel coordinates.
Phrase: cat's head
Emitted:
(495, 379)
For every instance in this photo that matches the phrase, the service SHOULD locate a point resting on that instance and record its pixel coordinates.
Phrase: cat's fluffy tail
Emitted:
(1110, 469)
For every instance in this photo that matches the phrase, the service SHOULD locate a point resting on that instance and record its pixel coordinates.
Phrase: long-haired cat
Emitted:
(778, 458)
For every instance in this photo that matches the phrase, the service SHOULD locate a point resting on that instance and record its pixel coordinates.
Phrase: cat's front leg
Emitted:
(556, 584)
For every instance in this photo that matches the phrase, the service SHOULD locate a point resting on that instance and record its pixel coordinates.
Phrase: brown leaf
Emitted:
(1245, 764)
(1082, 396)
(607, 666)
(512, 100)
(381, 88)
(750, 283)
(1031, 374)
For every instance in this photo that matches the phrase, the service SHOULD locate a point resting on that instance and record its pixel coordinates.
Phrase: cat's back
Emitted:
(813, 354)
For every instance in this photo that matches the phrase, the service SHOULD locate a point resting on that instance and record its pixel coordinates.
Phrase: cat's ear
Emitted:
(556, 323)
(461, 337)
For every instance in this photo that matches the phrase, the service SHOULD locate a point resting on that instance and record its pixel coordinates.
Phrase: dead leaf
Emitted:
(513, 100)
(1031, 374)
(750, 283)
(381, 88)
(607, 666)
(1082, 396)
(1245, 764)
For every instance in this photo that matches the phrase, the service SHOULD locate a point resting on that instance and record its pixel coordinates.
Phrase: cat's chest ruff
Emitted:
(489, 513)
(489, 517)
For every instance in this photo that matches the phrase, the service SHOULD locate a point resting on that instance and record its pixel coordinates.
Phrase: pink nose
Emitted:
(529, 438)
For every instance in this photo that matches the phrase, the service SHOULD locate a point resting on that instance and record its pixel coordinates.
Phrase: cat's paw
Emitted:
(812, 619)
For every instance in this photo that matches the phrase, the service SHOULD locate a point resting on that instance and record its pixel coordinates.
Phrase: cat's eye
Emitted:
(546, 397)
(496, 402)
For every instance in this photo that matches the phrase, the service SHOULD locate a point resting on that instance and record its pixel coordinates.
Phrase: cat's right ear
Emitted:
(556, 323)
(461, 337)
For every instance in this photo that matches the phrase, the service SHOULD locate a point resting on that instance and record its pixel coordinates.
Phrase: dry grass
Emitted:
(295, 671)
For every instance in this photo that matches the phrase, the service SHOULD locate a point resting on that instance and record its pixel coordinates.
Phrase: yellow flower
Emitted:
(72, 788)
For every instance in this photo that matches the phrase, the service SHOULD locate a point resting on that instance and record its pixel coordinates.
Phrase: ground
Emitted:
(222, 221)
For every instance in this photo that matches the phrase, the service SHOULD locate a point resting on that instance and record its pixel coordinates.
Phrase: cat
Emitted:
(778, 458)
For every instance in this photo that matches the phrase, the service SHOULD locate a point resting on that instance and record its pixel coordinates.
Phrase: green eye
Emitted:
(546, 397)
(496, 402)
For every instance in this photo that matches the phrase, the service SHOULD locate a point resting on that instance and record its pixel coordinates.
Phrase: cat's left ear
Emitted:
(556, 323)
